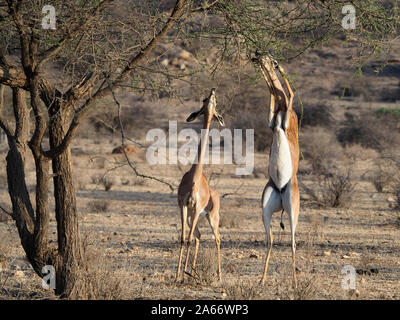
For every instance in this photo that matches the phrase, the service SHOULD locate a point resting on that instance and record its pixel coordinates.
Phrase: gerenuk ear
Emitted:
(193, 116)
(220, 119)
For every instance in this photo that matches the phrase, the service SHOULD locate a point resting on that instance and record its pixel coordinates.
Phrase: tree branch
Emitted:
(81, 88)
(10, 74)
(51, 52)
(3, 123)
(104, 89)
(205, 6)
(123, 138)
(7, 212)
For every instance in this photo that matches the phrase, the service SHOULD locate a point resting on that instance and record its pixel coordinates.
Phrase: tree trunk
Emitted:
(33, 235)
(69, 244)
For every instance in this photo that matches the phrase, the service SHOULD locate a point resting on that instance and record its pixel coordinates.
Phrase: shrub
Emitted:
(206, 269)
(357, 87)
(251, 104)
(388, 111)
(316, 116)
(319, 147)
(107, 183)
(338, 189)
(242, 290)
(98, 206)
(262, 133)
(369, 131)
(334, 189)
(382, 177)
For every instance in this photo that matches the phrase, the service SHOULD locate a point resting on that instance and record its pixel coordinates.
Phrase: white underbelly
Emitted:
(280, 163)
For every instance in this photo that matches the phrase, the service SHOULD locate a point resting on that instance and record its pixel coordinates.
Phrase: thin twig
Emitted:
(234, 192)
(123, 138)
(6, 212)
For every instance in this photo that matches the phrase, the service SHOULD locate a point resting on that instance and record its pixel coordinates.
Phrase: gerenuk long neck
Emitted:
(198, 167)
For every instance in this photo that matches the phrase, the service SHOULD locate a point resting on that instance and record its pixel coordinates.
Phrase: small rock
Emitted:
(129, 149)
(313, 270)
(354, 254)
(327, 253)
(164, 62)
(184, 54)
(391, 199)
(175, 62)
(345, 257)
(19, 274)
(362, 281)
(354, 293)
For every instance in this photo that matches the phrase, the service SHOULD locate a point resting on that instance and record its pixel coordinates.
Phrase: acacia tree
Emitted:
(59, 116)
(101, 45)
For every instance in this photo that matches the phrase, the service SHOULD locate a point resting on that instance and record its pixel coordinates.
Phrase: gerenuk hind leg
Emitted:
(271, 202)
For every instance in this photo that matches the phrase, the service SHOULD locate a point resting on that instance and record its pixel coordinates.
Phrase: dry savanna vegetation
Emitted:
(92, 175)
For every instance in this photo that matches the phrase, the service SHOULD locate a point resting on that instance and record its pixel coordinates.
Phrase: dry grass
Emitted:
(98, 206)
(4, 249)
(105, 181)
(229, 222)
(395, 189)
(3, 176)
(80, 180)
(243, 289)
(206, 270)
(101, 280)
(310, 284)
(4, 217)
